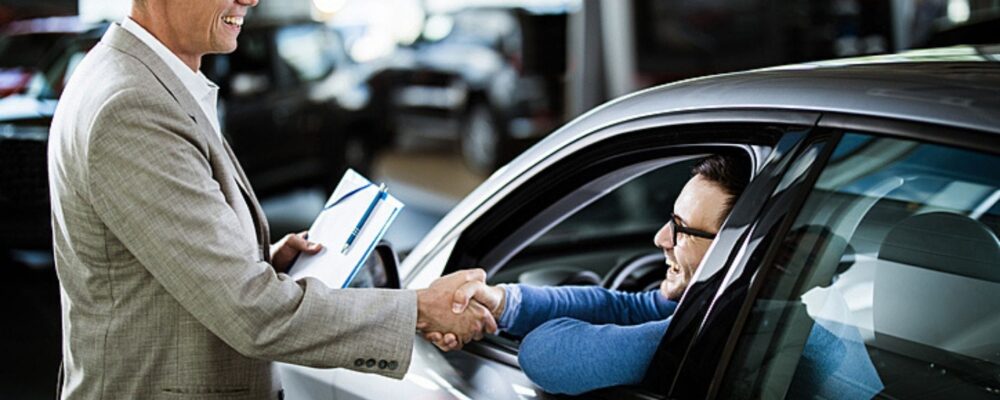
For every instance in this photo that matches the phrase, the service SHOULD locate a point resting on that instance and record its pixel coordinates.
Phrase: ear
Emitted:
(727, 207)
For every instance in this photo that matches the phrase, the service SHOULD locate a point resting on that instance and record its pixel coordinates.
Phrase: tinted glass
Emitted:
(887, 284)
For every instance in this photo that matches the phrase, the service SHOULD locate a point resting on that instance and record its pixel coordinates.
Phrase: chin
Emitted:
(669, 291)
(224, 47)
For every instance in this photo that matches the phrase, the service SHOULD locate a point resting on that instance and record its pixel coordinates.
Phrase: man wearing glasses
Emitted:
(605, 325)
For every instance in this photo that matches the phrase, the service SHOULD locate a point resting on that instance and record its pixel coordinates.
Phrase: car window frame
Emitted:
(688, 359)
(497, 349)
(665, 157)
(575, 200)
(565, 178)
(487, 195)
(801, 121)
(831, 126)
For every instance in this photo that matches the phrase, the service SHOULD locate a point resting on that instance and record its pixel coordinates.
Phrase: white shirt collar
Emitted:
(203, 90)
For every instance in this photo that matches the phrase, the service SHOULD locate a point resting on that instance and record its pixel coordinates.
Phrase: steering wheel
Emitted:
(638, 273)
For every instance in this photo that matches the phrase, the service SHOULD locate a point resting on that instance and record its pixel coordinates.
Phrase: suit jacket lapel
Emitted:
(120, 39)
(263, 231)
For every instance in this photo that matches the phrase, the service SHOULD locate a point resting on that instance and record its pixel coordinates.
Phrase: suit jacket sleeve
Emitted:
(151, 183)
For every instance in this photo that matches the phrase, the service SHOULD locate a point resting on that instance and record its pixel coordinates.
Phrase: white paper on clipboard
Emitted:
(340, 215)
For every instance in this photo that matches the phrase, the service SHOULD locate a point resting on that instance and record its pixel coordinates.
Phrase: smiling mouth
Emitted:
(672, 267)
(234, 21)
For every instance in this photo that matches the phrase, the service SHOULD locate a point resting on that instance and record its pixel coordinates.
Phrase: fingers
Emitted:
(434, 337)
(445, 342)
(445, 306)
(475, 322)
(489, 323)
(491, 297)
(444, 346)
(464, 293)
(475, 274)
(484, 318)
(452, 341)
(298, 242)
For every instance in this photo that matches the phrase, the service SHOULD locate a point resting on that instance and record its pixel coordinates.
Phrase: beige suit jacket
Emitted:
(162, 253)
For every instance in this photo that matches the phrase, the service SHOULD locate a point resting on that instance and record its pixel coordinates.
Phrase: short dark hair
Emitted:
(732, 174)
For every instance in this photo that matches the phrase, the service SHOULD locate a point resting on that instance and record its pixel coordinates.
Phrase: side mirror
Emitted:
(247, 84)
(381, 270)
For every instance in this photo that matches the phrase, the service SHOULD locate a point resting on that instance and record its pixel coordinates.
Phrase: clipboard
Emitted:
(341, 215)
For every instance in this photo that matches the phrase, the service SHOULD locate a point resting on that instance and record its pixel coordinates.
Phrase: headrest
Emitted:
(946, 242)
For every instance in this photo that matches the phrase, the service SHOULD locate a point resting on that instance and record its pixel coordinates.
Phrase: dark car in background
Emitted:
(34, 58)
(296, 110)
(489, 78)
(873, 211)
(294, 106)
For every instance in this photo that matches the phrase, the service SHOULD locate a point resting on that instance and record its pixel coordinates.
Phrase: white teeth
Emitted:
(238, 21)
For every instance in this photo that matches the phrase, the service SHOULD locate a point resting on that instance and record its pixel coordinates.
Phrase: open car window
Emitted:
(887, 283)
(605, 224)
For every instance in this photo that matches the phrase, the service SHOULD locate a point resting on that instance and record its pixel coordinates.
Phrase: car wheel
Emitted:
(481, 140)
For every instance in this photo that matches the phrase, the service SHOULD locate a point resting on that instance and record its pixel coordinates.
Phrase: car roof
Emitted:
(955, 86)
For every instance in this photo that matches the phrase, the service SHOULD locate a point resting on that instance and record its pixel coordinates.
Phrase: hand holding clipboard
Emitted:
(353, 220)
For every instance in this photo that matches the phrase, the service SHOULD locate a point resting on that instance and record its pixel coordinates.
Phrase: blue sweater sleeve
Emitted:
(534, 306)
(570, 356)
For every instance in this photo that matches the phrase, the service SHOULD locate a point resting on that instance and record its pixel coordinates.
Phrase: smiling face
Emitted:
(193, 28)
(701, 205)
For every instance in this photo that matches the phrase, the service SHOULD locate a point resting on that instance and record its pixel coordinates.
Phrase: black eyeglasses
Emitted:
(675, 228)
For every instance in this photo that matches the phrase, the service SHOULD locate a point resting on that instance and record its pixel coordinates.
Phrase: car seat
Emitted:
(937, 286)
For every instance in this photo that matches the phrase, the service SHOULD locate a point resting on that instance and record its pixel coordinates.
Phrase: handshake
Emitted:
(458, 308)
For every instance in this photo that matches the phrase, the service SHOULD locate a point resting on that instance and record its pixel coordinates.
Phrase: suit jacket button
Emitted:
(382, 364)
(370, 363)
(393, 365)
(359, 362)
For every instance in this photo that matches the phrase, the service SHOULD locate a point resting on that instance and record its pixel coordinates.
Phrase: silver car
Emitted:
(874, 211)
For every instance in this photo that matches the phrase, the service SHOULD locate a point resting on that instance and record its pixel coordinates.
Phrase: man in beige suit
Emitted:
(169, 287)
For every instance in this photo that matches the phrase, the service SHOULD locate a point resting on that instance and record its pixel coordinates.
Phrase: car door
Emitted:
(591, 212)
(877, 279)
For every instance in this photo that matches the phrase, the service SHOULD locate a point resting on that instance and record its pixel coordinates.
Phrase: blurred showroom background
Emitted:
(428, 96)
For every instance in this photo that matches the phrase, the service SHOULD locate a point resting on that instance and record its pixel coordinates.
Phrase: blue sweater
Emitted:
(578, 339)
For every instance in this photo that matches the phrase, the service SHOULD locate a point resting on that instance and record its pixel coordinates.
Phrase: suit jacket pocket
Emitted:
(206, 392)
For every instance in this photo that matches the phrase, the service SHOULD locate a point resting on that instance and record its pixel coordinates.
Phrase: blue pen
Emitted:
(364, 218)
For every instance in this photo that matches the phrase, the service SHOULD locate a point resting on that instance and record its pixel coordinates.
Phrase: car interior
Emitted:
(613, 217)
(908, 270)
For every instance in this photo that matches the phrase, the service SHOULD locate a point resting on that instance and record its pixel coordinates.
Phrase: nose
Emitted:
(664, 237)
